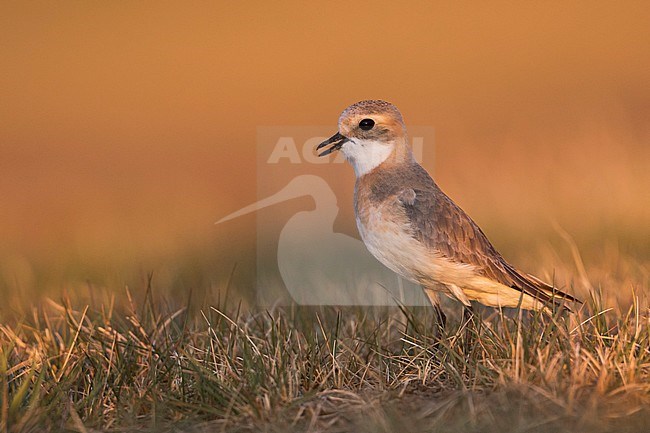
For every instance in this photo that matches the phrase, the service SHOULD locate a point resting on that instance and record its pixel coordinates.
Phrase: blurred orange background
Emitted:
(128, 128)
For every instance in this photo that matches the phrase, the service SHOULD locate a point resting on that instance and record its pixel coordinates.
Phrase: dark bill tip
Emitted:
(337, 140)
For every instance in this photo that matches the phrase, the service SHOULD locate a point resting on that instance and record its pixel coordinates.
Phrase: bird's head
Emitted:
(370, 132)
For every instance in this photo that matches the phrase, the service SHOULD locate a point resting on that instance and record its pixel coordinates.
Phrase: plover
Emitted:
(415, 229)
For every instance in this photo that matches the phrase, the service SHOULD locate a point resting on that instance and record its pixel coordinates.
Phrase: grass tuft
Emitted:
(152, 367)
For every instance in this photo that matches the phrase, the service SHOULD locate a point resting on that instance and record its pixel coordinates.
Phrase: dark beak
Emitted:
(335, 140)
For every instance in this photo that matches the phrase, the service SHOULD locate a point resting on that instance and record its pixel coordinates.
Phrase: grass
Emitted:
(122, 365)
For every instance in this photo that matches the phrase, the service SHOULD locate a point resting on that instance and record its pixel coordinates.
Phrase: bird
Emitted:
(412, 227)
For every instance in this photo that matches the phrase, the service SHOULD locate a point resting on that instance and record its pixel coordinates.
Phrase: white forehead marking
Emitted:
(366, 155)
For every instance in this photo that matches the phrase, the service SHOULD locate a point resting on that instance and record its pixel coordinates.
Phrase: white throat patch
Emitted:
(366, 155)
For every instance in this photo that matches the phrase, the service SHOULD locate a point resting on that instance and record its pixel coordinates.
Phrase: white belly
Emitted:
(390, 240)
(391, 244)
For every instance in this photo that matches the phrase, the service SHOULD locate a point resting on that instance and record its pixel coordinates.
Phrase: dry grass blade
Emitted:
(316, 369)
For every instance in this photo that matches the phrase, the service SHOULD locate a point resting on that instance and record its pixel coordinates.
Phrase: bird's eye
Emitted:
(366, 124)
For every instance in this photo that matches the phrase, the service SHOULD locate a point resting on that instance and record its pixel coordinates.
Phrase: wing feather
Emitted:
(443, 226)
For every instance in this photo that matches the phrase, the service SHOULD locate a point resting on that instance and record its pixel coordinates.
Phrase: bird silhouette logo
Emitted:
(321, 267)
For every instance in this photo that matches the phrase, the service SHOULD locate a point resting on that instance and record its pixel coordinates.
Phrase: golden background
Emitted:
(128, 128)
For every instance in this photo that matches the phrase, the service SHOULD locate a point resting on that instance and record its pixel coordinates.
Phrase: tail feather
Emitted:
(538, 289)
(550, 290)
